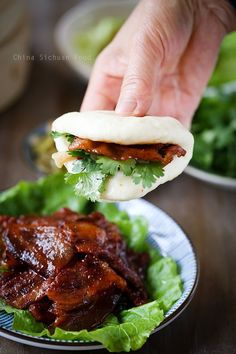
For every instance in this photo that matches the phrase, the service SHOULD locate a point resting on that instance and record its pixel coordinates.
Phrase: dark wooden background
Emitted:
(207, 214)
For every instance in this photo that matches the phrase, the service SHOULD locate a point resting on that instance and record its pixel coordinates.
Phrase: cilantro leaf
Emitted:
(69, 137)
(141, 172)
(79, 166)
(108, 166)
(214, 130)
(56, 134)
(74, 153)
(90, 185)
(128, 166)
(79, 153)
(71, 178)
(86, 177)
(147, 173)
(85, 164)
(90, 173)
(111, 167)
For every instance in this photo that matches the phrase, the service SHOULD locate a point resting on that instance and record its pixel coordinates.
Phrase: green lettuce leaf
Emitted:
(134, 230)
(164, 282)
(131, 328)
(41, 197)
(129, 332)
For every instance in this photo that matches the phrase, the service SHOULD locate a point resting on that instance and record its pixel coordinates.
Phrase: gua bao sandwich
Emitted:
(114, 158)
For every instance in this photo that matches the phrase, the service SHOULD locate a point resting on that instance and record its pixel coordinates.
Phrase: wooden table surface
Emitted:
(207, 214)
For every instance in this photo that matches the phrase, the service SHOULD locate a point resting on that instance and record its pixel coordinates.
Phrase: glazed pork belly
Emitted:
(22, 287)
(163, 153)
(69, 270)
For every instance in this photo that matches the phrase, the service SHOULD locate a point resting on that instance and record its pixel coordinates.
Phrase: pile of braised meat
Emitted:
(69, 270)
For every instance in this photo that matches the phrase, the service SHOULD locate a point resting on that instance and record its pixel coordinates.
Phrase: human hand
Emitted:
(161, 60)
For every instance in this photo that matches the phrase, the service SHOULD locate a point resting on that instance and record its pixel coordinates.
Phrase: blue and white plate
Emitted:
(165, 235)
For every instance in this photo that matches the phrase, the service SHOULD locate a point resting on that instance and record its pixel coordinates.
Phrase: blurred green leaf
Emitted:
(225, 70)
(214, 130)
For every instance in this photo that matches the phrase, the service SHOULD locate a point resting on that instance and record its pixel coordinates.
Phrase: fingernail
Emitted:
(125, 107)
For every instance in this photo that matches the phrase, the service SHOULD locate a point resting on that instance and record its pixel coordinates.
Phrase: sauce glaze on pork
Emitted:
(69, 270)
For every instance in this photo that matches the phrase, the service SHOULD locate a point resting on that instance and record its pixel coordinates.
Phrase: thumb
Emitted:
(140, 78)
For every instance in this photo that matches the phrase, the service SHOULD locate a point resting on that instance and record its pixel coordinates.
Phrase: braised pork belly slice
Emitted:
(20, 289)
(93, 227)
(85, 293)
(43, 311)
(44, 247)
(121, 268)
(163, 153)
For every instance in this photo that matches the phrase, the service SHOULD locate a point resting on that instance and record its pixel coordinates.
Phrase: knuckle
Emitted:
(136, 84)
(111, 61)
(101, 59)
(106, 55)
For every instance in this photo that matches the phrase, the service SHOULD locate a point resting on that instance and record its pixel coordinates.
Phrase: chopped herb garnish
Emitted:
(90, 172)
(69, 137)
(55, 134)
